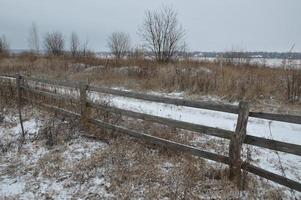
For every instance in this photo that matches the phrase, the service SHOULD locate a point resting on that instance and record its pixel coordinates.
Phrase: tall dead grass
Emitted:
(233, 82)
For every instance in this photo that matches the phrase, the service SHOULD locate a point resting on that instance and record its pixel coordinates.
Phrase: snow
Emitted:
(267, 159)
(7, 78)
(267, 62)
(11, 187)
(281, 131)
(22, 173)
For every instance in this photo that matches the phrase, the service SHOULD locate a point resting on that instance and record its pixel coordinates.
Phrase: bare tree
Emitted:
(4, 46)
(119, 44)
(74, 44)
(54, 43)
(162, 33)
(33, 39)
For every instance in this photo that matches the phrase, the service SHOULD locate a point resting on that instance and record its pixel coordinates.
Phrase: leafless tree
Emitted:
(33, 39)
(119, 44)
(162, 33)
(54, 43)
(4, 46)
(74, 44)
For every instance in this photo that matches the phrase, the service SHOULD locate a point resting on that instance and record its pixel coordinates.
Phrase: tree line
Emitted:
(161, 33)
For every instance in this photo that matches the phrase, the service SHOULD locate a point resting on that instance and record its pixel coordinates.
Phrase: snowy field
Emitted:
(37, 171)
(269, 62)
(84, 168)
(281, 163)
(267, 159)
(280, 131)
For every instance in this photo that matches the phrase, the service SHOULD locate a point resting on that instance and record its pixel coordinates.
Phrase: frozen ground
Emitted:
(32, 171)
(268, 62)
(280, 163)
(280, 131)
(267, 159)
(75, 167)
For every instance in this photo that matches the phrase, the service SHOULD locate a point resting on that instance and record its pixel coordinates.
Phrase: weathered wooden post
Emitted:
(19, 102)
(83, 102)
(237, 141)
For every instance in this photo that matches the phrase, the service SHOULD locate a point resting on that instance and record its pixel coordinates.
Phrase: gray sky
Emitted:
(211, 25)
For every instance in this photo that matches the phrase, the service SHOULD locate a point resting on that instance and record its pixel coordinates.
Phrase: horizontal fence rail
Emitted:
(272, 176)
(235, 137)
(276, 117)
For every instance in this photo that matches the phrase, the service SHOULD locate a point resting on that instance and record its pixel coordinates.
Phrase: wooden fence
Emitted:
(237, 138)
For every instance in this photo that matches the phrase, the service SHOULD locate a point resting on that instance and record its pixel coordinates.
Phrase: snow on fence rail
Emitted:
(237, 137)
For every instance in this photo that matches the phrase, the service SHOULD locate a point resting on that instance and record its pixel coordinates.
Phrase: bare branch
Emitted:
(162, 33)
(119, 44)
(54, 43)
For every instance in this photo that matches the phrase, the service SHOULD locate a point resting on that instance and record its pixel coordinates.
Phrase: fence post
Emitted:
(237, 141)
(83, 102)
(19, 102)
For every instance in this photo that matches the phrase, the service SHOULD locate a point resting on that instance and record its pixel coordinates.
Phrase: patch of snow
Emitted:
(10, 187)
(92, 68)
(281, 131)
(22, 183)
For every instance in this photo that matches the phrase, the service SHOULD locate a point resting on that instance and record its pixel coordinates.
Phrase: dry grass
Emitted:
(249, 82)
(134, 169)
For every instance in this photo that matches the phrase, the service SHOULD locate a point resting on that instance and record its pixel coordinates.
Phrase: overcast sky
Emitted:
(211, 25)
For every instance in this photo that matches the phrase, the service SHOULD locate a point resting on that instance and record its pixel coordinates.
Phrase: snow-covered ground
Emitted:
(280, 163)
(267, 159)
(280, 131)
(82, 168)
(35, 171)
(268, 62)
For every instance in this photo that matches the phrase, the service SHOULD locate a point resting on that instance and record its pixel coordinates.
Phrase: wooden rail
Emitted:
(236, 138)
(276, 117)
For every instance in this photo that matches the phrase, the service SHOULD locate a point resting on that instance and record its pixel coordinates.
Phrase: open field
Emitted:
(282, 164)
(58, 161)
(162, 99)
(266, 86)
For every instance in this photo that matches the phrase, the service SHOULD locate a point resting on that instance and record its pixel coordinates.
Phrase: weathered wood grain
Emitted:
(235, 146)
